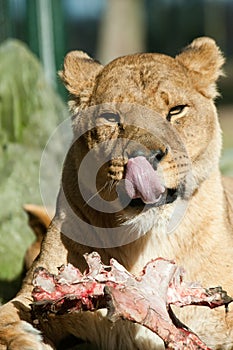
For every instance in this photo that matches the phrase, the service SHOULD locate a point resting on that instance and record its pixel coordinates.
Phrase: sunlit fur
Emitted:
(201, 237)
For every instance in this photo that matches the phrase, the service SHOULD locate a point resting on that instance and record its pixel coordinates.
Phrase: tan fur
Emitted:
(38, 220)
(202, 242)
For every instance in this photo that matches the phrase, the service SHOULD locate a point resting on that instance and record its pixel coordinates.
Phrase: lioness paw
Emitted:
(21, 336)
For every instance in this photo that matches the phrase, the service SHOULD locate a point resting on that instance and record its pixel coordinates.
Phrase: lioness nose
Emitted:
(156, 156)
(153, 156)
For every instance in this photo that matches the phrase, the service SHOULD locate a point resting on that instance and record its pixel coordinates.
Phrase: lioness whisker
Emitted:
(112, 184)
(95, 194)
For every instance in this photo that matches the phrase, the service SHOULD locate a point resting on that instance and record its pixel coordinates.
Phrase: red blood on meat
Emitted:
(144, 299)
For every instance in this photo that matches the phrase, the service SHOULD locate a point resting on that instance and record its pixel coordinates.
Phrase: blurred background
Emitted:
(35, 35)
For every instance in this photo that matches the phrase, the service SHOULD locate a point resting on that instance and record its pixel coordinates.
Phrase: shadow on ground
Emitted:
(9, 288)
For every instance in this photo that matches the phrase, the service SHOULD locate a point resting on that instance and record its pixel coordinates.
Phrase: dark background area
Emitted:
(167, 26)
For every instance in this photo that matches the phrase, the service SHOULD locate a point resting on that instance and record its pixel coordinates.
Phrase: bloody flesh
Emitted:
(145, 299)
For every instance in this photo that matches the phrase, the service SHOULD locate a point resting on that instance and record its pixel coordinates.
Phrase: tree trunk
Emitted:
(123, 29)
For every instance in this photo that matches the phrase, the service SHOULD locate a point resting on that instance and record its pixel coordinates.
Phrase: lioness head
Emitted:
(145, 132)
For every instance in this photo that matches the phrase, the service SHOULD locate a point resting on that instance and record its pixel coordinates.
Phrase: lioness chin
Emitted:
(141, 180)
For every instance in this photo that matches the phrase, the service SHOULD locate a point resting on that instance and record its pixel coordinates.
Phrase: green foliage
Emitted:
(26, 99)
(226, 163)
(29, 112)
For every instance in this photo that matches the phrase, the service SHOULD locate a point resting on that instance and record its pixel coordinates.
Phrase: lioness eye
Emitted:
(111, 117)
(176, 111)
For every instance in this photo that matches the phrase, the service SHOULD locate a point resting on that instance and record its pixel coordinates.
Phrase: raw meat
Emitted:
(145, 299)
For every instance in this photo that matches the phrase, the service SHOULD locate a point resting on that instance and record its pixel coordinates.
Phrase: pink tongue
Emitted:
(142, 181)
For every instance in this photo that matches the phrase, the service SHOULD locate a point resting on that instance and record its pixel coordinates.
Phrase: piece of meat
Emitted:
(145, 299)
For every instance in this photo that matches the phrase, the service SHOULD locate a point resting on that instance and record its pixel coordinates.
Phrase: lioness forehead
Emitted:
(139, 76)
(145, 62)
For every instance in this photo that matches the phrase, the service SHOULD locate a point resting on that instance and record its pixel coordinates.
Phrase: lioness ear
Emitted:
(38, 219)
(204, 60)
(79, 74)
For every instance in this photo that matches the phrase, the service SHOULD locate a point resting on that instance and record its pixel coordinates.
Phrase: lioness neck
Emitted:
(193, 242)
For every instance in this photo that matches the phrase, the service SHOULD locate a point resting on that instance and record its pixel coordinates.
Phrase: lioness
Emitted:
(147, 127)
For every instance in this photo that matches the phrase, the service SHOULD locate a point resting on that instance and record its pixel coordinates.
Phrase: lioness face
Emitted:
(152, 121)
